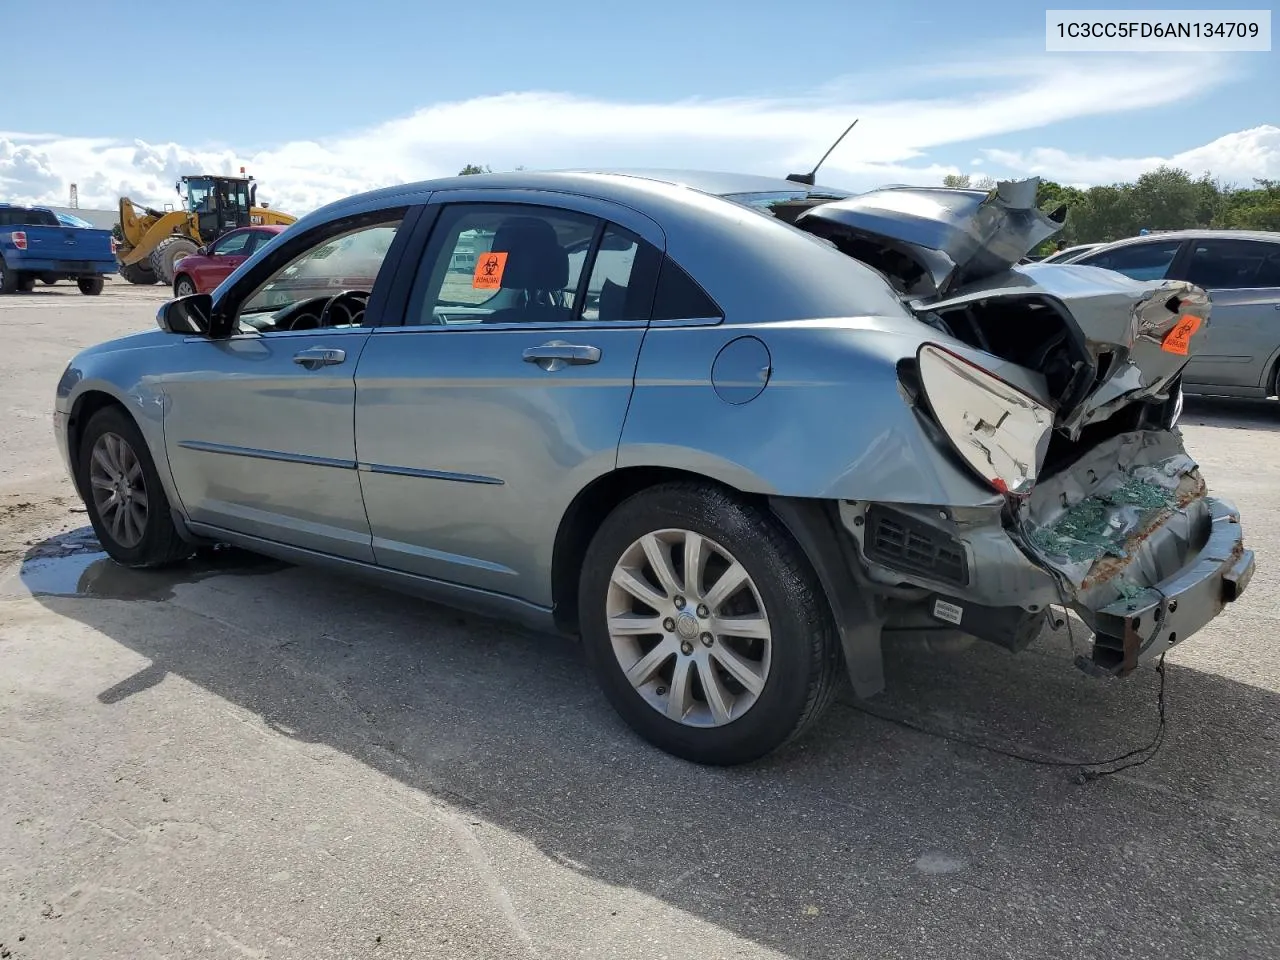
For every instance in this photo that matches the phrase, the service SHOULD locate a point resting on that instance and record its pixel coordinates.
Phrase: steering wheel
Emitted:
(344, 308)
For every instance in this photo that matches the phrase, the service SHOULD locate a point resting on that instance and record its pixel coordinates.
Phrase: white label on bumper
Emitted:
(947, 611)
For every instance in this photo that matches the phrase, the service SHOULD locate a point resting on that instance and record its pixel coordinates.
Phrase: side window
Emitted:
(1139, 261)
(294, 295)
(622, 276)
(680, 298)
(1234, 264)
(497, 263)
(235, 243)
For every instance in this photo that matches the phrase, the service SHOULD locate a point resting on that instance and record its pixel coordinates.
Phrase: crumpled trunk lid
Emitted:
(952, 236)
(953, 256)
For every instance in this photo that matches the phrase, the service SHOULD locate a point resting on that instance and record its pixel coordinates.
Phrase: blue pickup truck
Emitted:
(35, 245)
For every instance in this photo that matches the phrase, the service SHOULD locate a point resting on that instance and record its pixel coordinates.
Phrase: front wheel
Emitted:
(183, 286)
(705, 625)
(123, 494)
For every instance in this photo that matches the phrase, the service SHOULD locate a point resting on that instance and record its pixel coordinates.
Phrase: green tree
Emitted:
(472, 168)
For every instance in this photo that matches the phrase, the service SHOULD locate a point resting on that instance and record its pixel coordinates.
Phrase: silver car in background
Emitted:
(1239, 352)
(735, 433)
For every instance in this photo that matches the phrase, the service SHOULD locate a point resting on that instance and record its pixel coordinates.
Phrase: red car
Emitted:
(209, 266)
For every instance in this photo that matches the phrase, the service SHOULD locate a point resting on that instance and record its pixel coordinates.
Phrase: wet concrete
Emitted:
(75, 565)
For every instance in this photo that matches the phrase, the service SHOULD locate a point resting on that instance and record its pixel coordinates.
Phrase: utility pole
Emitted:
(75, 198)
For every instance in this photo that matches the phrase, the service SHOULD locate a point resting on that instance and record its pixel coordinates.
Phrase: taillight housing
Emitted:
(115, 246)
(19, 238)
(998, 430)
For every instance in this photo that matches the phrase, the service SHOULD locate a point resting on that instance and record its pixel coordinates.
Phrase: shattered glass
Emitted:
(1094, 519)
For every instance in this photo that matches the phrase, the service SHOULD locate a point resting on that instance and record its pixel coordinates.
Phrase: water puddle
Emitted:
(74, 565)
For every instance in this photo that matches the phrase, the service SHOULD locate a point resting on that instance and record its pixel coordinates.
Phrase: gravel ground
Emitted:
(243, 759)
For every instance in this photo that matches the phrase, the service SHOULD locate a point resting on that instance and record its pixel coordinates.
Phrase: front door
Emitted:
(225, 254)
(505, 391)
(258, 426)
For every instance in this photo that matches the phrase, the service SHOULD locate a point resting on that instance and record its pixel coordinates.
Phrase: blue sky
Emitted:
(294, 89)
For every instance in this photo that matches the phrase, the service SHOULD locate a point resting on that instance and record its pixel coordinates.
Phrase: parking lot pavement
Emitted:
(243, 759)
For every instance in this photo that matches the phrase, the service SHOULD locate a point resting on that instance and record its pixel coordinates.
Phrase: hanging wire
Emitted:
(1089, 769)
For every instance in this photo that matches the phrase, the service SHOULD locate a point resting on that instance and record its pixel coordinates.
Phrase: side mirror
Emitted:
(187, 315)
(202, 251)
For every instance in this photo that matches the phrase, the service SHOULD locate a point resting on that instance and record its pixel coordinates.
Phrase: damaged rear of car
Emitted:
(1059, 386)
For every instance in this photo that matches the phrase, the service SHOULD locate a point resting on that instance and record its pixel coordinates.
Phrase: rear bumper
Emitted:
(1137, 630)
(64, 269)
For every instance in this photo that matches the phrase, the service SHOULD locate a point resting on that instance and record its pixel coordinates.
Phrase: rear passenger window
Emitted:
(616, 289)
(510, 263)
(1234, 264)
(680, 298)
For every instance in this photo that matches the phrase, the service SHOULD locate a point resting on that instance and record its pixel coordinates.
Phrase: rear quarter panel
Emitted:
(831, 422)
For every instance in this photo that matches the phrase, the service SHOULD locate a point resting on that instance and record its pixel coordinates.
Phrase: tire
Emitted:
(90, 286)
(9, 279)
(167, 253)
(796, 678)
(183, 286)
(139, 273)
(26, 282)
(49, 280)
(158, 543)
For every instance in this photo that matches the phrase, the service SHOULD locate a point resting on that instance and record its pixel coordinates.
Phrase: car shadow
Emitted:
(867, 838)
(1231, 412)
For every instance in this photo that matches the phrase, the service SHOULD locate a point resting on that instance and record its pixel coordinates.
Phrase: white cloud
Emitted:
(1235, 158)
(910, 115)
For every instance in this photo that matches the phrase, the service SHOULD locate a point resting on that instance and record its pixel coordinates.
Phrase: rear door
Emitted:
(1243, 335)
(504, 392)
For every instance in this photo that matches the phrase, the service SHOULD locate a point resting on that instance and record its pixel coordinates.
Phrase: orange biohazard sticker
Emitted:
(1178, 339)
(488, 273)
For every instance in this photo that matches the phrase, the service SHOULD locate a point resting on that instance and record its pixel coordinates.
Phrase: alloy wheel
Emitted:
(688, 627)
(119, 489)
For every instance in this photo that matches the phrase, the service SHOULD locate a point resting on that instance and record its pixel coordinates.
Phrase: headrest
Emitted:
(535, 259)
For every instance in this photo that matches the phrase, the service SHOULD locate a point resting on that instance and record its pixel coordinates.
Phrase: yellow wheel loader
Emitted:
(154, 240)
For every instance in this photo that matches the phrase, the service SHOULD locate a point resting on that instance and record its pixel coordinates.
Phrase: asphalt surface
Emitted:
(242, 759)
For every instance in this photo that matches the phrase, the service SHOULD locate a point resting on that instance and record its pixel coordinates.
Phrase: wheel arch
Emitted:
(82, 410)
(586, 512)
(810, 524)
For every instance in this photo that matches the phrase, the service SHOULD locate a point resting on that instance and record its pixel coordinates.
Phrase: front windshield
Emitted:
(199, 196)
(347, 262)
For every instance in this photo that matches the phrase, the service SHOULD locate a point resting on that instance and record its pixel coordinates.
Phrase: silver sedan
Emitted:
(735, 433)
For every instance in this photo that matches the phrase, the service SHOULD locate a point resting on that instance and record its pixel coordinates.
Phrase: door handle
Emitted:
(557, 354)
(315, 357)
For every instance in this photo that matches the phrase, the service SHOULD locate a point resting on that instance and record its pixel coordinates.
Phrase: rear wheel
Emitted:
(90, 286)
(183, 286)
(139, 273)
(8, 278)
(167, 254)
(705, 625)
(122, 491)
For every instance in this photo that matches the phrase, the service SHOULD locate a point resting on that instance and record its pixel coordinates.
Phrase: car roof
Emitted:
(757, 267)
(617, 184)
(1196, 234)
